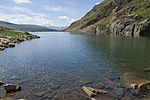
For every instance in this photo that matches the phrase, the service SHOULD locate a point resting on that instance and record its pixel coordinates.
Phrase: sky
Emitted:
(45, 12)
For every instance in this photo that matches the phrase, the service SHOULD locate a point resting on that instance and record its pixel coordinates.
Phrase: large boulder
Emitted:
(12, 88)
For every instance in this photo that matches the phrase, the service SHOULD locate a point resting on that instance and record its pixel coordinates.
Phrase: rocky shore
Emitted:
(8, 38)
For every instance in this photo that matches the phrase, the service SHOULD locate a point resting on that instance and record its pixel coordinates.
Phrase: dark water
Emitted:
(58, 64)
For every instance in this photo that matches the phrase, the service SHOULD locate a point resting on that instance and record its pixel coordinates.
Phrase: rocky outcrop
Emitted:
(12, 88)
(116, 17)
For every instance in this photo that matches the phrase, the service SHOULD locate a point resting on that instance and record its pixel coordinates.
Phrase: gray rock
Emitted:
(119, 91)
(12, 88)
(144, 89)
(11, 45)
(2, 48)
(1, 83)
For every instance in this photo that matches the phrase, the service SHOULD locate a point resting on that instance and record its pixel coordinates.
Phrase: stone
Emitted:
(147, 69)
(119, 91)
(2, 48)
(144, 89)
(91, 92)
(1, 83)
(12, 88)
(11, 45)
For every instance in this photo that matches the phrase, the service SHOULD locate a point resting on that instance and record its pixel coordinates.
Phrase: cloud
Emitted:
(69, 20)
(25, 19)
(22, 15)
(63, 17)
(21, 1)
(49, 8)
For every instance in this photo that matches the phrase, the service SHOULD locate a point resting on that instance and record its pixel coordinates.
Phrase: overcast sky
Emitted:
(44, 12)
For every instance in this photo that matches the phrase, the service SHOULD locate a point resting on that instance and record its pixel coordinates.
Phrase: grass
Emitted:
(16, 36)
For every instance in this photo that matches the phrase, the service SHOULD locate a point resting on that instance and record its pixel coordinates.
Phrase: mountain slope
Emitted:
(25, 27)
(123, 17)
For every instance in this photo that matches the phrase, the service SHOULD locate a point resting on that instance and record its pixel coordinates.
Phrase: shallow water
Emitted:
(58, 64)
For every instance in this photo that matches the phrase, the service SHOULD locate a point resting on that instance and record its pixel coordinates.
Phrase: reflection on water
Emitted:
(58, 64)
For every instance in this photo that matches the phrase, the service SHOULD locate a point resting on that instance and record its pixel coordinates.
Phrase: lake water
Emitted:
(57, 65)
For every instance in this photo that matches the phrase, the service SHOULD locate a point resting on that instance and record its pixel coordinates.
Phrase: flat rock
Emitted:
(98, 94)
(12, 88)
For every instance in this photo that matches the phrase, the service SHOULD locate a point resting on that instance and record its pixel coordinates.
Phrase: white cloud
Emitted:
(25, 19)
(69, 20)
(22, 15)
(63, 17)
(49, 8)
(21, 1)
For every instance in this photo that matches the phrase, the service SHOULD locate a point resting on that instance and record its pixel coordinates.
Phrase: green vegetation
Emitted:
(16, 36)
(102, 14)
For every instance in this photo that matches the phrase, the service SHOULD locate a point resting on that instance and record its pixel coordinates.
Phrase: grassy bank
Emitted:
(9, 37)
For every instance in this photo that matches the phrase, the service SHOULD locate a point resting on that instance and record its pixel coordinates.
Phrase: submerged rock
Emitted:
(98, 94)
(144, 89)
(12, 88)
(147, 69)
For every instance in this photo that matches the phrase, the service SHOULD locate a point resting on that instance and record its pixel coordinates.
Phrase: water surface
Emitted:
(58, 64)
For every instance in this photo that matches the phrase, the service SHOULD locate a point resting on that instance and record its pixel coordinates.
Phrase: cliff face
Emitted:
(117, 17)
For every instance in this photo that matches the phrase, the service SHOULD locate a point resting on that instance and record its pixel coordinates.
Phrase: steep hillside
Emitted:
(25, 27)
(125, 17)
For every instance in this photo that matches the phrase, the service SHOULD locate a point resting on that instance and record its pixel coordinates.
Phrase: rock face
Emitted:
(12, 88)
(116, 17)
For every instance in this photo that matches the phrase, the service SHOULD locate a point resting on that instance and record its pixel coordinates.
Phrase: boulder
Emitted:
(12, 88)
(2, 48)
(1, 83)
(98, 94)
(11, 45)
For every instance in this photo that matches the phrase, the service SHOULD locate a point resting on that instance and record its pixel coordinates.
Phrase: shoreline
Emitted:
(8, 38)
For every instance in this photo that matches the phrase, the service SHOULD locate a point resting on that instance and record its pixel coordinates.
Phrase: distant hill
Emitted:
(58, 28)
(26, 27)
(117, 17)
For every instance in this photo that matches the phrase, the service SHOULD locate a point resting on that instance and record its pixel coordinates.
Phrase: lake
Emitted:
(58, 64)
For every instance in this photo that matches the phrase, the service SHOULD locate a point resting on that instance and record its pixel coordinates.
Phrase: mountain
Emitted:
(58, 28)
(117, 17)
(25, 27)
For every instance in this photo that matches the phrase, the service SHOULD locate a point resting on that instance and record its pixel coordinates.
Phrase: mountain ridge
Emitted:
(25, 27)
(117, 17)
